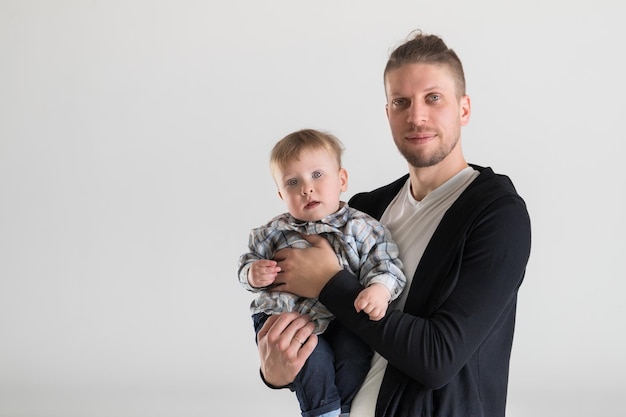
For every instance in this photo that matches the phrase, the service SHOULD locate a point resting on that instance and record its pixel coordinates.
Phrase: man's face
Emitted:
(424, 112)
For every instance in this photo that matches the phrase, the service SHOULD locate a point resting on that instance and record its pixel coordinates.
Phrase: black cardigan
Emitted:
(449, 350)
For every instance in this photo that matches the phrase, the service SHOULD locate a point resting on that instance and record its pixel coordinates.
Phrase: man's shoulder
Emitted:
(489, 192)
(374, 202)
(490, 183)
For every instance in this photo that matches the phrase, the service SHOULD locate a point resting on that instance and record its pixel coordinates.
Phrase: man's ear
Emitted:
(466, 110)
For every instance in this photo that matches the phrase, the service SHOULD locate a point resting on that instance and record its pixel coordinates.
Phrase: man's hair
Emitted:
(289, 148)
(427, 49)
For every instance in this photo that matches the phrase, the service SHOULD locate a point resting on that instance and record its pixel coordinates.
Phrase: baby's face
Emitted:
(311, 185)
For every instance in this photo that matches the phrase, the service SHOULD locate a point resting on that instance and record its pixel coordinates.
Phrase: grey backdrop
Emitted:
(134, 137)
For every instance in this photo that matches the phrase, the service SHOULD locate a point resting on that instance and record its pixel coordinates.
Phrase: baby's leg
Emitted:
(352, 362)
(315, 384)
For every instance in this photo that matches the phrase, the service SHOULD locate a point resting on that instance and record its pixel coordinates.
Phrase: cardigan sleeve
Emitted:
(484, 275)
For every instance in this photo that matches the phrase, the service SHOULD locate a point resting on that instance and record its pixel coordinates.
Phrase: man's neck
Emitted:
(425, 180)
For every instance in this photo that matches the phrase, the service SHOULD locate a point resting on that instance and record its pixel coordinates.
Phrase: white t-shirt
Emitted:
(412, 224)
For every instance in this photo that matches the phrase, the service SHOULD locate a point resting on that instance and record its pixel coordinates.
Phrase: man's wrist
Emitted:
(344, 283)
(332, 278)
(270, 385)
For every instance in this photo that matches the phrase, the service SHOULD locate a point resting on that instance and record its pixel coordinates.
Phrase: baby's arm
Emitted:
(374, 301)
(262, 273)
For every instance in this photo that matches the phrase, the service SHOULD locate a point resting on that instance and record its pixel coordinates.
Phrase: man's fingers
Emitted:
(266, 327)
(285, 325)
(316, 240)
(281, 254)
(307, 348)
(276, 324)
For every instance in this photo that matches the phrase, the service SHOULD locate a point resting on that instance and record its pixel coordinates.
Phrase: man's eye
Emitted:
(292, 182)
(317, 174)
(434, 97)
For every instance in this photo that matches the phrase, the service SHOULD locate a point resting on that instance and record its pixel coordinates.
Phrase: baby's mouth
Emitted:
(312, 204)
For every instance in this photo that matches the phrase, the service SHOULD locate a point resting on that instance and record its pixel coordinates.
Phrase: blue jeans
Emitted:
(333, 373)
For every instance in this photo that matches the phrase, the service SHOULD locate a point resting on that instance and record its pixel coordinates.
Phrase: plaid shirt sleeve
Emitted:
(259, 247)
(378, 254)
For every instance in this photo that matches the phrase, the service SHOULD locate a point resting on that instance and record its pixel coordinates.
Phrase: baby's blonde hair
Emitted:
(289, 148)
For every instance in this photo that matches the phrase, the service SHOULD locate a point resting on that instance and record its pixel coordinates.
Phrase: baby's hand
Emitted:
(262, 273)
(373, 300)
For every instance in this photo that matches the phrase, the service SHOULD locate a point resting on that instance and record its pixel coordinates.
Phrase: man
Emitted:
(464, 239)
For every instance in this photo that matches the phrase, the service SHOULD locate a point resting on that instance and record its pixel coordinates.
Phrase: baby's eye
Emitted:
(317, 174)
(292, 182)
(400, 102)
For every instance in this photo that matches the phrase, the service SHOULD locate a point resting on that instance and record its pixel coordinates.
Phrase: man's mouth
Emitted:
(420, 137)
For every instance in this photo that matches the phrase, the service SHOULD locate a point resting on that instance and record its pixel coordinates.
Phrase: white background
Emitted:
(134, 139)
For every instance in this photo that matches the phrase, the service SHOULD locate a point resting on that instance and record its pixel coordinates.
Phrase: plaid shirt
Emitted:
(362, 244)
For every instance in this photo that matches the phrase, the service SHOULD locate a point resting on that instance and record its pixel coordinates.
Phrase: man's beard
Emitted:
(418, 160)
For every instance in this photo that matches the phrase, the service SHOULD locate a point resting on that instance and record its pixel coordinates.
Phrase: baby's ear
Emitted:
(280, 195)
(343, 177)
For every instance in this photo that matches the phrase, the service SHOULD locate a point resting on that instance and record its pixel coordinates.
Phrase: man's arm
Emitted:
(484, 277)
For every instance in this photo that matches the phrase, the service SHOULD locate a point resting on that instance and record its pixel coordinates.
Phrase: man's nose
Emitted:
(417, 114)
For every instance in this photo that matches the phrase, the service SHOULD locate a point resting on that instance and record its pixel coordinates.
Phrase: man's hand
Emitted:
(285, 342)
(304, 272)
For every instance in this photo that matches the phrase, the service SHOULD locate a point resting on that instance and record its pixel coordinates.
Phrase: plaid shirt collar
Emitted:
(329, 224)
